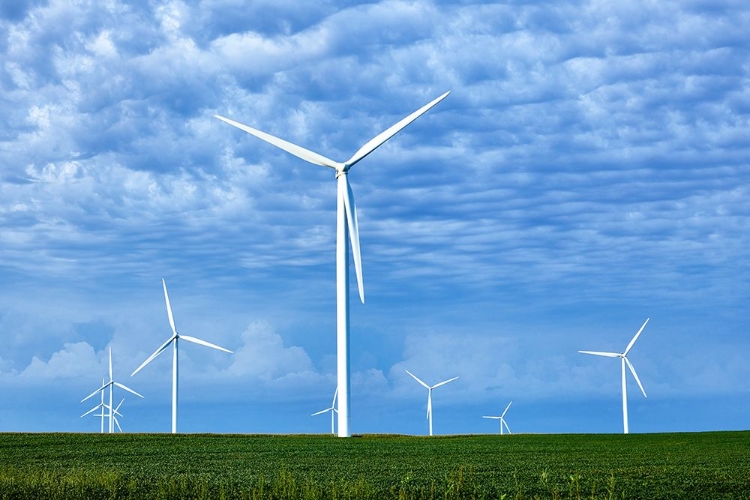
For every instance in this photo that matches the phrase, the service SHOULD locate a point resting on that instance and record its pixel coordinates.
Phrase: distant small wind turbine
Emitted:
(347, 231)
(117, 412)
(625, 361)
(111, 384)
(501, 418)
(332, 409)
(174, 341)
(429, 394)
(101, 405)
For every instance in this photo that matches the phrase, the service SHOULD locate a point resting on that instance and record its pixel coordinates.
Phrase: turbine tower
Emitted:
(625, 361)
(501, 418)
(332, 409)
(111, 385)
(347, 231)
(429, 394)
(174, 340)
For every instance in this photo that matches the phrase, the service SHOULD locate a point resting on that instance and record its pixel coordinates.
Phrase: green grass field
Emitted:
(711, 465)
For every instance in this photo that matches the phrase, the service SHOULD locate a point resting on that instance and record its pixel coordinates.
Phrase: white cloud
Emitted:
(264, 356)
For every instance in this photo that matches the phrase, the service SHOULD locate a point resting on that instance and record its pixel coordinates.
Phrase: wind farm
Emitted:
(109, 385)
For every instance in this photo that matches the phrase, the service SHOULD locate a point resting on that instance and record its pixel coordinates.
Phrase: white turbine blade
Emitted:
(606, 354)
(121, 386)
(632, 370)
(96, 391)
(321, 412)
(203, 342)
(335, 395)
(393, 130)
(630, 345)
(351, 218)
(506, 425)
(118, 425)
(290, 148)
(92, 410)
(429, 403)
(417, 379)
(493, 418)
(169, 307)
(506, 409)
(444, 382)
(156, 353)
(118, 406)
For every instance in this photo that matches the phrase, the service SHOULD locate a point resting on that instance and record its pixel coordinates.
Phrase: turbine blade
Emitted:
(156, 353)
(630, 345)
(335, 395)
(506, 426)
(169, 307)
(506, 409)
(606, 354)
(444, 382)
(632, 370)
(203, 342)
(96, 391)
(378, 140)
(351, 219)
(121, 386)
(117, 423)
(290, 148)
(321, 412)
(429, 403)
(493, 418)
(118, 406)
(91, 410)
(417, 379)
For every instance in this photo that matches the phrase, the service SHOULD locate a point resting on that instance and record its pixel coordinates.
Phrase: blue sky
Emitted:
(589, 170)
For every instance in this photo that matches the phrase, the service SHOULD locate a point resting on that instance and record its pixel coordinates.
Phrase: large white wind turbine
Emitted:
(332, 409)
(501, 418)
(429, 394)
(111, 385)
(346, 231)
(174, 341)
(625, 361)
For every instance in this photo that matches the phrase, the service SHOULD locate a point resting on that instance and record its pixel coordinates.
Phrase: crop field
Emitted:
(710, 465)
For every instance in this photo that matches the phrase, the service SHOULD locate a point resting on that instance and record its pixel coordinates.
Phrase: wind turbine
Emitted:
(625, 361)
(332, 409)
(111, 384)
(115, 413)
(101, 405)
(174, 341)
(429, 394)
(501, 418)
(347, 230)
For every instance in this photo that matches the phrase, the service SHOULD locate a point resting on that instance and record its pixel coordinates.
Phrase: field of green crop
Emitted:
(650, 466)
